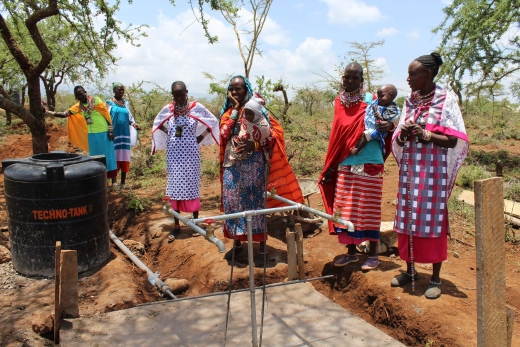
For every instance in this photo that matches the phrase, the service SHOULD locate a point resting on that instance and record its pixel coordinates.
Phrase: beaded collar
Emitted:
(119, 103)
(348, 99)
(179, 110)
(89, 106)
(422, 100)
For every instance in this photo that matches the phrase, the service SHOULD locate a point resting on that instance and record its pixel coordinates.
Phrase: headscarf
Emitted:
(250, 94)
(117, 84)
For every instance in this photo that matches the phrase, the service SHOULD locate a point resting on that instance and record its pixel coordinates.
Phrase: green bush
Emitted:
(469, 174)
(512, 189)
(210, 168)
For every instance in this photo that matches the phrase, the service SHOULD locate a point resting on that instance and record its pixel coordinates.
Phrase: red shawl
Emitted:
(347, 127)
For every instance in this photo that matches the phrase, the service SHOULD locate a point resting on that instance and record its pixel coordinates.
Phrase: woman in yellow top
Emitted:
(90, 126)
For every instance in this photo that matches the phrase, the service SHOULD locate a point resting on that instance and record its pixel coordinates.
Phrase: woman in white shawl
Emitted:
(429, 144)
(180, 128)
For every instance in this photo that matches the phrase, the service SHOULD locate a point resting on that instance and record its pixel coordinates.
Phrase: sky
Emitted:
(300, 39)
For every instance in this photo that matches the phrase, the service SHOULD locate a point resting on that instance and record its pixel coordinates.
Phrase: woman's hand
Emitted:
(236, 104)
(418, 131)
(406, 130)
(327, 177)
(247, 146)
(384, 126)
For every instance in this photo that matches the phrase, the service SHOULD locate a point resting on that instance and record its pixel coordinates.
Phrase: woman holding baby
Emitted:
(252, 160)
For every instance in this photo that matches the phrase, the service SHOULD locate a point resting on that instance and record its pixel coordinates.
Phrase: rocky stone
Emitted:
(135, 246)
(43, 323)
(177, 285)
(5, 255)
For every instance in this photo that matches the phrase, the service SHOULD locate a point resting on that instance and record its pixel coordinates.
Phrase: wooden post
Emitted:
(510, 314)
(491, 276)
(57, 258)
(299, 250)
(69, 299)
(291, 256)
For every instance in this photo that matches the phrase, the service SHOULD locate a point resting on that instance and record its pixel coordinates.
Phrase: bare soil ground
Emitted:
(408, 317)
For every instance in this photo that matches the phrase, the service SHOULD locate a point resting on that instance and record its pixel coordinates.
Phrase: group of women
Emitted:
(429, 144)
(103, 128)
(182, 126)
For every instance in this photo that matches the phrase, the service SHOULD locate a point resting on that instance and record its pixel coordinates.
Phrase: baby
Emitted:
(253, 127)
(382, 109)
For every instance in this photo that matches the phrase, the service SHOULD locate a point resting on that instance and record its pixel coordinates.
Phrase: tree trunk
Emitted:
(7, 118)
(39, 140)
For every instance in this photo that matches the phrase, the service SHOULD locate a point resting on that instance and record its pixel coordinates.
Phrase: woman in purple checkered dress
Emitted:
(429, 144)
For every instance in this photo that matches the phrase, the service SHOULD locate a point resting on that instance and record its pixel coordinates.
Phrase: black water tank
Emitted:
(56, 197)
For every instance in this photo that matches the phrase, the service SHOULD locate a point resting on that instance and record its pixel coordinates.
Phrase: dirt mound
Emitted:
(409, 317)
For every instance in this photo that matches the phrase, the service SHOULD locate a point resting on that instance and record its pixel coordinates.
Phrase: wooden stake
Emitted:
(491, 276)
(291, 256)
(510, 314)
(299, 250)
(57, 258)
(69, 298)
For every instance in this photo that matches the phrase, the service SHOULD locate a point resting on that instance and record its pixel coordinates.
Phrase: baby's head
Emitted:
(386, 94)
(253, 108)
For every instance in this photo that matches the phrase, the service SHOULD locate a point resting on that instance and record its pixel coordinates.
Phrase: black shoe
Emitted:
(402, 279)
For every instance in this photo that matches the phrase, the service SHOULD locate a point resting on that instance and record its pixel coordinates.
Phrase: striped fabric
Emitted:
(359, 199)
(281, 175)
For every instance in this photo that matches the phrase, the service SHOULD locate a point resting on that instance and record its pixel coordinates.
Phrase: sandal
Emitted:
(370, 264)
(434, 290)
(346, 259)
(402, 279)
(174, 233)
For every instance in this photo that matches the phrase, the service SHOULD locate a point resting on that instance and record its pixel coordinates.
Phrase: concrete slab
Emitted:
(295, 315)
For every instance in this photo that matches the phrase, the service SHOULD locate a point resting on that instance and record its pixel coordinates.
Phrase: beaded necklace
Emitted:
(422, 100)
(89, 106)
(179, 110)
(119, 102)
(348, 99)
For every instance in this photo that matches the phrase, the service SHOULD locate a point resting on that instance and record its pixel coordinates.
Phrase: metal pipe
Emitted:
(249, 223)
(190, 222)
(302, 207)
(246, 213)
(163, 287)
(279, 284)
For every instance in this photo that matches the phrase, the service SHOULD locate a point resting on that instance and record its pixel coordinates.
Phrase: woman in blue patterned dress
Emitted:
(125, 129)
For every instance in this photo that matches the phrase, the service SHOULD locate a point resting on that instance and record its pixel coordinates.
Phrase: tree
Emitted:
(28, 15)
(475, 46)
(259, 11)
(361, 54)
(33, 53)
(72, 60)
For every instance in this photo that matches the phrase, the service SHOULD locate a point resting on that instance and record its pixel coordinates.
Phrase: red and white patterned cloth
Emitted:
(427, 171)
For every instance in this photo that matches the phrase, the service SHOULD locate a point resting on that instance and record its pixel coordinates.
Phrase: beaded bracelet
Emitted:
(427, 135)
